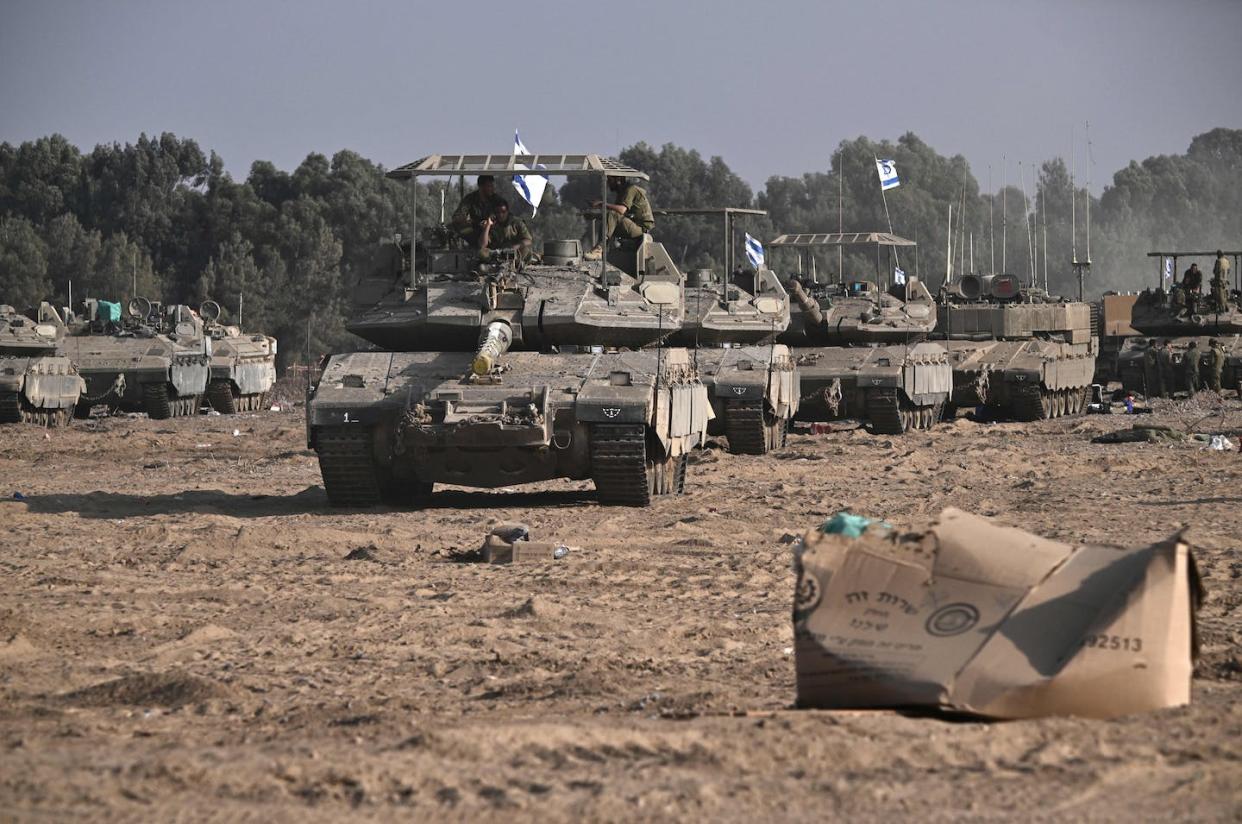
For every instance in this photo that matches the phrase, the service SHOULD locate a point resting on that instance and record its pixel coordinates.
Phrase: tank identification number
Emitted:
(1114, 642)
(347, 419)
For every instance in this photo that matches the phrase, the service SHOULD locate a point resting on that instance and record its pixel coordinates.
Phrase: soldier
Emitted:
(475, 208)
(1221, 269)
(1220, 292)
(1192, 279)
(1217, 365)
(1153, 375)
(630, 215)
(501, 231)
(1164, 362)
(1190, 369)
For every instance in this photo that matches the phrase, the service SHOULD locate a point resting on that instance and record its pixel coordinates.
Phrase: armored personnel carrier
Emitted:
(243, 366)
(37, 384)
(731, 323)
(1016, 351)
(149, 361)
(862, 350)
(1178, 316)
(501, 371)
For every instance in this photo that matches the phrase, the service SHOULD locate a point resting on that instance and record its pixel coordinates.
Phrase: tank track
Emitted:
(347, 466)
(220, 396)
(891, 414)
(159, 406)
(1034, 403)
(619, 464)
(749, 431)
(10, 408)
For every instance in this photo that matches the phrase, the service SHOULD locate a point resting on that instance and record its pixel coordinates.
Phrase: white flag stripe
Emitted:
(754, 251)
(887, 170)
(899, 275)
(530, 187)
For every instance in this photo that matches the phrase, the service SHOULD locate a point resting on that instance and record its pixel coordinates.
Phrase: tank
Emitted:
(37, 384)
(1016, 351)
(731, 325)
(147, 361)
(863, 352)
(1156, 314)
(494, 371)
(243, 366)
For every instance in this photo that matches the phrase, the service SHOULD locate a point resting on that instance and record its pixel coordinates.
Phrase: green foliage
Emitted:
(293, 243)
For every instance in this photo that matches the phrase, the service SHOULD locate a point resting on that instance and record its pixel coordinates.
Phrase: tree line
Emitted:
(162, 218)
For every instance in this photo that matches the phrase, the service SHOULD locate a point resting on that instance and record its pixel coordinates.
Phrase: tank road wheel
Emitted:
(750, 430)
(348, 466)
(155, 401)
(220, 396)
(10, 408)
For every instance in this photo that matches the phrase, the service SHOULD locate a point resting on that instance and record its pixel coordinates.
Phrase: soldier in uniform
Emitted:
(502, 231)
(630, 216)
(1164, 362)
(1152, 373)
(1216, 365)
(475, 208)
(1190, 368)
(1221, 269)
(1220, 292)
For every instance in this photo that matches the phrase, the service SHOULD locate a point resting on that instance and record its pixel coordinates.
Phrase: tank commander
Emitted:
(630, 216)
(503, 231)
(1190, 368)
(1216, 365)
(475, 208)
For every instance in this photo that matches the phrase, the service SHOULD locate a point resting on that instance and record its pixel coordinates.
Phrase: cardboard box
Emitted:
(975, 617)
(497, 550)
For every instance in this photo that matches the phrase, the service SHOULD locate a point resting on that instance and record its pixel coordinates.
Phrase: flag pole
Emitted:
(887, 216)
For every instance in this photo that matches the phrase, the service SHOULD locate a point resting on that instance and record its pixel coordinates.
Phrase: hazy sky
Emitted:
(771, 86)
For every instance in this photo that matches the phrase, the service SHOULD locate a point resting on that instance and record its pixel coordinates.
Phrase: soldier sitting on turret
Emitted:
(475, 208)
(629, 217)
(501, 231)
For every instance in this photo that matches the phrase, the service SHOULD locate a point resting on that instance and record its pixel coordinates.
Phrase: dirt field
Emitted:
(188, 632)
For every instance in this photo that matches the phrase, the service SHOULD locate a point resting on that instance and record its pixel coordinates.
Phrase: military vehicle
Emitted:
(731, 322)
(1016, 351)
(149, 361)
(37, 384)
(1179, 316)
(243, 366)
(501, 371)
(862, 350)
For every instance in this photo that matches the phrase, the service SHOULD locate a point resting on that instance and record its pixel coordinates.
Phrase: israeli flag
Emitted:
(899, 276)
(754, 251)
(530, 187)
(887, 170)
(1168, 270)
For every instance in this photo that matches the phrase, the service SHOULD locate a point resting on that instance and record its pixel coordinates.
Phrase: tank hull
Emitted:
(892, 388)
(1023, 380)
(139, 374)
(412, 419)
(754, 392)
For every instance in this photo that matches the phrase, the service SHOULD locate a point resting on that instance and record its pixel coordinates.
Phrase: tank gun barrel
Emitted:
(806, 302)
(492, 344)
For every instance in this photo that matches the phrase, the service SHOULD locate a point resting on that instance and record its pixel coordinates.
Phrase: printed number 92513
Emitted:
(1117, 642)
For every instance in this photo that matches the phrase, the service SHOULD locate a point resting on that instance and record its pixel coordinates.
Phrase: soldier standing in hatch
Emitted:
(475, 208)
(501, 231)
(1216, 365)
(1190, 369)
(629, 217)
(1153, 375)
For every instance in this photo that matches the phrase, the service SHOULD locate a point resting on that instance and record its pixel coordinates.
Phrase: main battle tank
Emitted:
(147, 362)
(37, 384)
(243, 366)
(1017, 351)
(751, 379)
(1178, 318)
(501, 371)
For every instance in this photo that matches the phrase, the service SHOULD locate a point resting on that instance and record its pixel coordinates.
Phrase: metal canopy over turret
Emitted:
(550, 165)
(842, 239)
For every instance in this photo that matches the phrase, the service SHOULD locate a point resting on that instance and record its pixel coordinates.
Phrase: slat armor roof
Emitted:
(552, 165)
(845, 239)
(1191, 254)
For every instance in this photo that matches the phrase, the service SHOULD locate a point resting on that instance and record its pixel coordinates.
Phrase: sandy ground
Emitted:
(187, 631)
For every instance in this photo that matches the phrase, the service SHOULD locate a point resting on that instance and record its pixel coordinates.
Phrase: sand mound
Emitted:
(159, 689)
